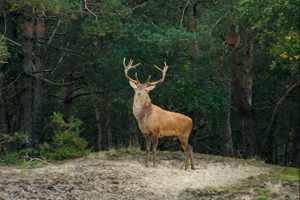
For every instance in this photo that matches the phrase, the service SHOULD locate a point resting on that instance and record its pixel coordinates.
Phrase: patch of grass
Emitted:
(264, 192)
(271, 190)
(122, 152)
(30, 165)
(261, 198)
(290, 172)
(285, 173)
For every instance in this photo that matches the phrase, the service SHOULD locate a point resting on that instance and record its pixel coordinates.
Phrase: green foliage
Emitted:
(4, 54)
(26, 151)
(190, 37)
(277, 26)
(261, 198)
(62, 8)
(21, 159)
(264, 192)
(15, 158)
(66, 142)
(12, 159)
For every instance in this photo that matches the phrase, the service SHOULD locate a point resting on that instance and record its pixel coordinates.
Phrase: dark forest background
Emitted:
(233, 69)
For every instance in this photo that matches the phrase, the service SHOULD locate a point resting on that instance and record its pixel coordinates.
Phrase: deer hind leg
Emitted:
(191, 157)
(148, 144)
(185, 147)
(154, 147)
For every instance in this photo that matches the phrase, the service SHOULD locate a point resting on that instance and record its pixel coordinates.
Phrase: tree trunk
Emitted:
(243, 106)
(225, 137)
(98, 136)
(3, 119)
(226, 146)
(248, 61)
(285, 154)
(38, 84)
(269, 135)
(26, 96)
(248, 123)
(68, 97)
(107, 117)
(296, 147)
(99, 130)
(191, 16)
(133, 137)
(243, 94)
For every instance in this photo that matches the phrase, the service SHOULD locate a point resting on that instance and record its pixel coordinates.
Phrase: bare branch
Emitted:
(59, 48)
(48, 81)
(140, 5)
(54, 31)
(4, 24)
(187, 3)
(85, 5)
(37, 159)
(11, 41)
(52, 35)
(272, 123)
(213, 26)
(11, 83)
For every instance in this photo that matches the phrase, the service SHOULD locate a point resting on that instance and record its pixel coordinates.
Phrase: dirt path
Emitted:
(122, 175)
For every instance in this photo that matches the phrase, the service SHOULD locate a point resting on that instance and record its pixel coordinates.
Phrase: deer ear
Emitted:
(151, 87)
(132, 84)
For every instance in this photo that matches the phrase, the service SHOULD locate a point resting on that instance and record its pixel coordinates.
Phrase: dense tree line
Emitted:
(233, 68)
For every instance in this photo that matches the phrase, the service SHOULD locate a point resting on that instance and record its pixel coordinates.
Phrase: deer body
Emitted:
(154, 122)
(152, 119)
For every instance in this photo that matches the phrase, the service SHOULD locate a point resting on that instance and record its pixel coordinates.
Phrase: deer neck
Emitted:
(142, 107)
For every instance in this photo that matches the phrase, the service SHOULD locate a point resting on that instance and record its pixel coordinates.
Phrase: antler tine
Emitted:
(127, 68)
(164, 71)
(158, 68)
(147, 83)
(136, 77)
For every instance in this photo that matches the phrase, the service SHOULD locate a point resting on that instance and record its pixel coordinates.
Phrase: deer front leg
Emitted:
(187, 157)
(154, 147)
(148, 143)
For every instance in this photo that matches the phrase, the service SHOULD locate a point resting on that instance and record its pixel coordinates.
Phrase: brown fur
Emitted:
(155, 123)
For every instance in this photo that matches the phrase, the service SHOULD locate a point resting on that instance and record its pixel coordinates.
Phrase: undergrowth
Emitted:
(65, 143)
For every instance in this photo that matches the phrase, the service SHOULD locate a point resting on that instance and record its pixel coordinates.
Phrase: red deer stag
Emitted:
(155, 122)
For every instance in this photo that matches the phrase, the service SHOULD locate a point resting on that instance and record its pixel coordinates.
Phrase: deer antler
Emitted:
(163, 76)
(127, 68)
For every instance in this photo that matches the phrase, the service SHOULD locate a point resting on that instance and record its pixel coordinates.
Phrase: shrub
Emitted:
(66, 142)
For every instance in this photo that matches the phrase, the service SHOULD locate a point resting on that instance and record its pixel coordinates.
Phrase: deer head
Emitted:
(142, 90)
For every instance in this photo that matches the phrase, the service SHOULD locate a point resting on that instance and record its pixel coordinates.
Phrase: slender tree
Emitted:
(38, 89)
(26, 96)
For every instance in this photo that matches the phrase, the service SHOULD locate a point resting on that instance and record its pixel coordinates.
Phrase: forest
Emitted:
(233, 69)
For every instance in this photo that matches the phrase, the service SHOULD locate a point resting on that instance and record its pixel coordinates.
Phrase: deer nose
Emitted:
(139, 93)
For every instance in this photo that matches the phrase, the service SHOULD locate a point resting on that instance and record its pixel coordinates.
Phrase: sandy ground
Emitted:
(122, 175)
